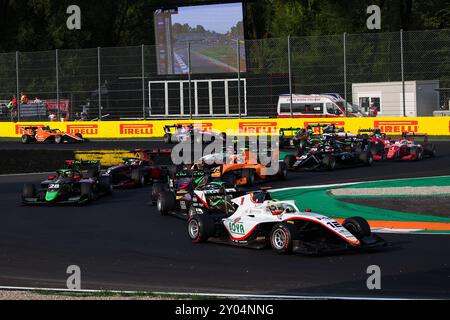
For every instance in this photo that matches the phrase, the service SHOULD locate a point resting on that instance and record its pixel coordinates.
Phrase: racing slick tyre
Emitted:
(138, 178)
(418, 152)
(229, 179)
(91, 172)
(58, 139)
(281, 143)
(282, 170)
(329, 162)
(157, 188)
(430, 150)
(302, 144)
(167, 138)
(28, 191)
(165, 202)
(200, 228)
(249, 177)
(26, 139)
(366, 158)
(87, 191)
(105, 184)
(289, 160)
(282, 236)
(357, 226)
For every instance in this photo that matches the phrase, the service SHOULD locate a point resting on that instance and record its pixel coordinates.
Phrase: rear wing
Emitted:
(414, 134)
(290, 129)
(168, 128)
(82, 164)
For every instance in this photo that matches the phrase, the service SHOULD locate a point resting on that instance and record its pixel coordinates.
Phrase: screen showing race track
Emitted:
(213, 32)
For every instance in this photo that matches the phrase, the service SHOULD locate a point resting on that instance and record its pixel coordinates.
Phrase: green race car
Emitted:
(79, 182)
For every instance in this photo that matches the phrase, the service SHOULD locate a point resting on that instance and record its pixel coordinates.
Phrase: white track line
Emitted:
(217, 295)
(350, 183)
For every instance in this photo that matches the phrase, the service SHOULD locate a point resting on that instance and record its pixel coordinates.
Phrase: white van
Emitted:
(315, 106)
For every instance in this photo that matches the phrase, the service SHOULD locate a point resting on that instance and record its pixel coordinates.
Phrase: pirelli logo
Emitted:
(399, 126)
(338, 124)
(20, 126)
(203, 126)
(136, 129)
(84, 129)
(258, 127)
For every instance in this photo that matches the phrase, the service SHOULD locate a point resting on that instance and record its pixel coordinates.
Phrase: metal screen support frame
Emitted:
(239, 75)
(345, 70)
(99, 85)
(57, 84)
(290, 75)
(17, 88)
(403, 72)
(143, 81)
(189, 80)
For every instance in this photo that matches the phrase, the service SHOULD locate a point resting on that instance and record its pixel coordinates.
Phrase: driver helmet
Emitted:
(69, 174)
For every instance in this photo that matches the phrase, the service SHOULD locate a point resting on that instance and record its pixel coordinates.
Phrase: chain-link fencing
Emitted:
(235, 79)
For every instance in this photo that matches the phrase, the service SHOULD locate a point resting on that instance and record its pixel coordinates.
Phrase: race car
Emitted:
(79, 182)
(259, 221)
(329, 152)
(45, 134)
(140, 170)
(189, 132)
(180, 180)
(292, 137)
(405, 148)
(209, 198)
(244, 168)
(378, 142)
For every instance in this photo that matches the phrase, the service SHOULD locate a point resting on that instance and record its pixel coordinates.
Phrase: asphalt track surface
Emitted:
(121, 243)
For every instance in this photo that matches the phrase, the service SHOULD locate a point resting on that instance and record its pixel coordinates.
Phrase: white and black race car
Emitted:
(259, 221)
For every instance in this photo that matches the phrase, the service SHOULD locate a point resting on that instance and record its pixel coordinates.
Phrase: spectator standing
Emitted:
(51, 117)
(23, 98)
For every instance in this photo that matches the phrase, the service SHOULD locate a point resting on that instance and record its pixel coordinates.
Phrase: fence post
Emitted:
(290, 75)
(99, 85)
(143, 82)
(403, 72)
(239, 76)
(345, 70)
(17, 88)
(57, 84)
(189, 80)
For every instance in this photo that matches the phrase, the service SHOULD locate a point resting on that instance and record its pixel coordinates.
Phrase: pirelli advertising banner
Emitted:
(433, 126)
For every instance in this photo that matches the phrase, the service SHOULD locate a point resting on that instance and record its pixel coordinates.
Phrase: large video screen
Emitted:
(213, 32)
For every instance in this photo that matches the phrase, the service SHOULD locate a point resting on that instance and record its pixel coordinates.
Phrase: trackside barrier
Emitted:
(434, 126)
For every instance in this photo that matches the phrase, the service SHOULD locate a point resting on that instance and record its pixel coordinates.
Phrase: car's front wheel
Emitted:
(165, 202)
(357, 226)
(28, 191)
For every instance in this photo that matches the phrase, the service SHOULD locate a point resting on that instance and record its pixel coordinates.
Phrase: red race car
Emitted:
(139, 170)
(406, 148)
(379, 144)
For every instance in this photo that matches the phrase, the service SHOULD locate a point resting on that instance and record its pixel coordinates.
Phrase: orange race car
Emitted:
(244, 170)
(45, 134)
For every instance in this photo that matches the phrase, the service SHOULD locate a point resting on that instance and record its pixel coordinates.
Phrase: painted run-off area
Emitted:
(339, 202)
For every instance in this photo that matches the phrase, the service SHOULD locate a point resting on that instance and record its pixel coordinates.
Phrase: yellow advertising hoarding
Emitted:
(434, 126)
